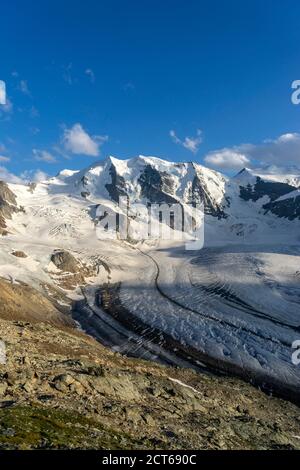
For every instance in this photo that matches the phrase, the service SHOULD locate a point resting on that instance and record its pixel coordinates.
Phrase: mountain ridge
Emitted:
(155, 180)
(205, 298)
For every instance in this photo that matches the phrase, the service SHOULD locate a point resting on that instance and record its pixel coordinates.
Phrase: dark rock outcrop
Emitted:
(117, 187)
(288, 208)
(64, 261)
(157, 187)
(73, 271)
(262, 188)
(19, 254)
(200, 194)
(8, 205)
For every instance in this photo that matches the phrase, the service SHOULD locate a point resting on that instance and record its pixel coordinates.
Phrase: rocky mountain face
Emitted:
(151, 180)
(278, 194)
(287, 206)
(8, 206)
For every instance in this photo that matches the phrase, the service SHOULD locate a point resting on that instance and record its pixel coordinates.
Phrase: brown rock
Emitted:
(19, 254)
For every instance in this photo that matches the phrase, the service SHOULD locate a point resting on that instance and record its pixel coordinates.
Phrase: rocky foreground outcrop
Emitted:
(59, 388)
(71, 272)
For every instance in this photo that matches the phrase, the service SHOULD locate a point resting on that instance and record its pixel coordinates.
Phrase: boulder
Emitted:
(64, 261)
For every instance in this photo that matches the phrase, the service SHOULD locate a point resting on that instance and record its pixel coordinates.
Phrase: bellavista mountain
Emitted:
(150, 179)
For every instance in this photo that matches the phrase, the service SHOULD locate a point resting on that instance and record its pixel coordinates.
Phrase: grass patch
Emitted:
(24, 427)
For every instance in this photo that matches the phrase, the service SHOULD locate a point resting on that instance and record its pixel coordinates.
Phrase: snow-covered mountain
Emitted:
(150, 179)
(147, 179)
(289, 174)
(252, 204)
(235, 303)
(278, 192)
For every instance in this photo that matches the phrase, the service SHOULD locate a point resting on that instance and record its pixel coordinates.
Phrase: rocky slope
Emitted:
(61, 389)
(22, 302)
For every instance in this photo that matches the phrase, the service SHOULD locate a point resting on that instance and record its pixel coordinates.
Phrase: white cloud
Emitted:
(190, 143)
(4, 159)
(78, 141)
(90, 74)
(28, 176)
(34, 130)
(23, 87)
(8, 177)
(67, 74)
(227, 159)
(43, 156)
(40, 175)
(285, 150)
(61, 151)
(2, 93)
(33, 176)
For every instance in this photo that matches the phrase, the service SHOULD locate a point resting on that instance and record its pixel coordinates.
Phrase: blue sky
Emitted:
(93, 78)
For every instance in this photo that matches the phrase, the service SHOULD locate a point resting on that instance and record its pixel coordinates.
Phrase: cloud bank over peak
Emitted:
(8, 177)
(227, 159)
(28, 176)
(282, 151)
